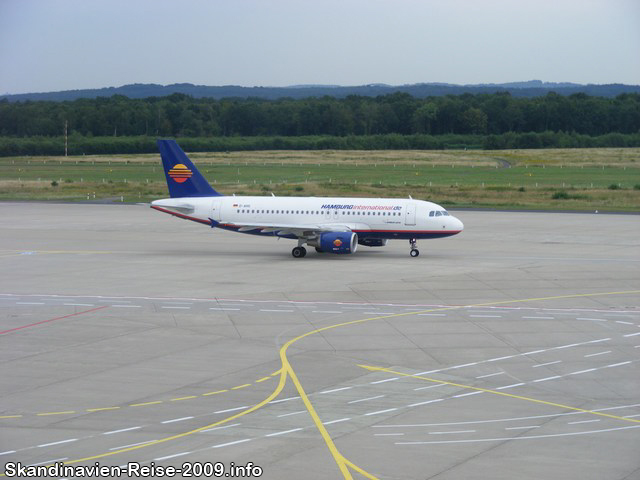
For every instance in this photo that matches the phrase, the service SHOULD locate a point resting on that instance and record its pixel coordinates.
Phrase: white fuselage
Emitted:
(382, 218)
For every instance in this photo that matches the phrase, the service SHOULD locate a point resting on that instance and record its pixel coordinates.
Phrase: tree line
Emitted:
(180, 115)
(90, 145)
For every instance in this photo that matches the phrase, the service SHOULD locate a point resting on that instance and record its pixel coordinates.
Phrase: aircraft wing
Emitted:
(299, 230)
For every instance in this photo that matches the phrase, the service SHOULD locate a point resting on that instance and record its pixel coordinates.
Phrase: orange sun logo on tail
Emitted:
(180, 173)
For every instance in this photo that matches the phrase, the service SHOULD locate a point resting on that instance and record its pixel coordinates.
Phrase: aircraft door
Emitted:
(410, 214)
(216, 210)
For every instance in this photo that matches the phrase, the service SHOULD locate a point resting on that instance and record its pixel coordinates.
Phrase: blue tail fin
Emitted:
(183, 178)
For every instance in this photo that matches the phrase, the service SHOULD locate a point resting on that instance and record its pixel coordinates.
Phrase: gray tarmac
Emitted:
(509, 351)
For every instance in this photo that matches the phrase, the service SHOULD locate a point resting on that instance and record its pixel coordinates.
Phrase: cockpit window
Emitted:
(439, 213)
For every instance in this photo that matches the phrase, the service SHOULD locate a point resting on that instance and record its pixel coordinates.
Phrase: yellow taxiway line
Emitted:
(496, 392)
(287, 371)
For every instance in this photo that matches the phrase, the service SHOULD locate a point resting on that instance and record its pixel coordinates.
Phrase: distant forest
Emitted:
(491, 117)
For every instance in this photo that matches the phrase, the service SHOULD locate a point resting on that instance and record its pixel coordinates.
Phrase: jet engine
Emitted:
(338, 242)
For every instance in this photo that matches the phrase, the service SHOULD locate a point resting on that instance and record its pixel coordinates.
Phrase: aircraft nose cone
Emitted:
(457, 224)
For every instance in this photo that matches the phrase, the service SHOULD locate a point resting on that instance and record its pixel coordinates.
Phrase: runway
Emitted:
(509, 351)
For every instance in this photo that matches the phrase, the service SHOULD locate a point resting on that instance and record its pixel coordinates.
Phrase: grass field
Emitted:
(577, 179)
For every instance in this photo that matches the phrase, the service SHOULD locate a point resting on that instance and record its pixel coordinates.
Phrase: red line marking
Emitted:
(52, 319)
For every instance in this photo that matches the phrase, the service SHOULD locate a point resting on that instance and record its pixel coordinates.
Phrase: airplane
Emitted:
(334, 225)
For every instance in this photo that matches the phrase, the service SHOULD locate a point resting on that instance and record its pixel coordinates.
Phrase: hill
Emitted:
(533, 88)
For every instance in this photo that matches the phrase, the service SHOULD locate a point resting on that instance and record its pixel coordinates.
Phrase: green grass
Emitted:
(455, 178)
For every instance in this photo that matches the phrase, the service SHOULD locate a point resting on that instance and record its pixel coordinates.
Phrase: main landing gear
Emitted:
(299, 252)
(414, 247)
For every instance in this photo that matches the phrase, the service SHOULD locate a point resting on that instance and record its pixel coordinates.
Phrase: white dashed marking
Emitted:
(545, 364)
(336, 421)
(618, 364)
(284, 400)
(177, 420)
(58, 443)
(171, 456)
(596, 354)
(283, 432)
(383, 381)
(292, 413)
(454, 432)
(335, 390)
(547, 378)
(232, 409)
(232, 443)
(510, 386)
(220, 428)
(380, 411)
(122, 430)
(467, 394)
(366, 399)
(425, 403)
(491, 375)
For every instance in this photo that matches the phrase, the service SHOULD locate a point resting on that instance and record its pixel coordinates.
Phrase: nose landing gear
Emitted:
(414, 252)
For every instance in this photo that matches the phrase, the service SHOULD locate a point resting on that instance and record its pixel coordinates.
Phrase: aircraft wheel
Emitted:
(414, 252)
(319, 250)
(299, 252)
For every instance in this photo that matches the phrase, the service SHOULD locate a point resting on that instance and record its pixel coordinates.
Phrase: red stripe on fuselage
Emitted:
(451, 232)
(181, 215)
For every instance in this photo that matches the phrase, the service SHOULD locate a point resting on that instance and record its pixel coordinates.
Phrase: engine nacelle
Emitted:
(339, 242)
(373, 242)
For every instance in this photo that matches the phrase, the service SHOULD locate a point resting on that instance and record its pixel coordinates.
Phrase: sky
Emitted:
(52, 45)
